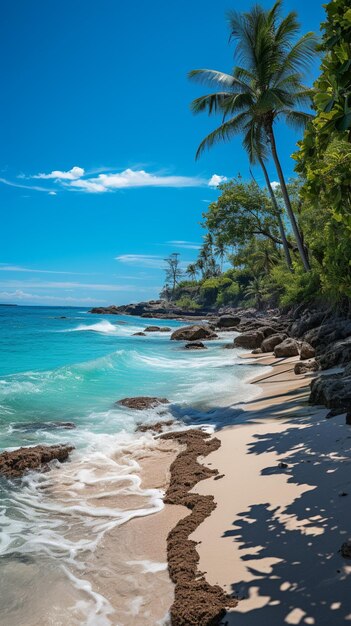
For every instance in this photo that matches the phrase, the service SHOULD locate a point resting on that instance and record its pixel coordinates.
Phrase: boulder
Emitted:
(345, 550)
(192, 333)
(334, 391)
(302, 367)
(270, 342)
(140, 403)
(228, 321)
(268, 331)
(287, 348)
(139, 334)
(15, 463)
(337, 353)
(250, 339)
(165, 329)
(195, 345)
(257, 351)
(152, 329)
(306, 351)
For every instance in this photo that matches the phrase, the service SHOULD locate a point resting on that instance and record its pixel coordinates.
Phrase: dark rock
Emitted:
(15, 463)
(192, 333)
(345, 550)
(287, 348)
(195, 345)
(306, 351)
(139, 334)
(335, 413)
(337, 353)
(302, 367)
(257, 351)
(165, 329)
(342, 494)
(152, 329)
(282, 465)
(267, 331)
(33, 426)
(270, 342)
(334, 391)
(140, 403)
(228, 321)
(250, 340)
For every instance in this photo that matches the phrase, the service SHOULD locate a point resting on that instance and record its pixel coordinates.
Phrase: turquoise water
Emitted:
(64, 364)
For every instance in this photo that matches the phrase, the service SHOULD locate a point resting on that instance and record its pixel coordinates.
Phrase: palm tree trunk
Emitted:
(287, 202)
(279, 217)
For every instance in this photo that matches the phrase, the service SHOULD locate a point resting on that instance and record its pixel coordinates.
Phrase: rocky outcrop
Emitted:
(152, 329)
(334, 391)
(249, 340)
(192, 333)
(271, 342)
(287, 348)
(195, 345)
(151, 309)
(139, 403)
(228, 321)
(306, 351)
(139, 334)
(337, 353)
(303, 367)
(34, 426)
(15, 463)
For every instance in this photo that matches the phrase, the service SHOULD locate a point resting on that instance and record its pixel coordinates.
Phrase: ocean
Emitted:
(66, 365)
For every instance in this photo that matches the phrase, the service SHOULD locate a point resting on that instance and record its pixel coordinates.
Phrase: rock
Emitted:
(306, 351)
(334, 413)
(156, 427)
(302, 367)
(139, 334)
(195, 345)
(334, 391)
(228, 321)
(140, 403)
(345, 550)
(250, 339)
(270, 342)
(152, 329)
(192, 333)
(267, 331)
(15, 463)
(337, 353)
(287, 348)
(165, 329)
(257, 351)
(342, 494)
(33, 426)
(282, 465)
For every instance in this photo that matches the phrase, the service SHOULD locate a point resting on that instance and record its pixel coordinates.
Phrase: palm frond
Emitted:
(223, 133)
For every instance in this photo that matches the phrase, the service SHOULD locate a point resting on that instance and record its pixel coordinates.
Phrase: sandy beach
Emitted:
(282, 508)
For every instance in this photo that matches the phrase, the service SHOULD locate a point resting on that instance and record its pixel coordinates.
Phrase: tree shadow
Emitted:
(307, 581)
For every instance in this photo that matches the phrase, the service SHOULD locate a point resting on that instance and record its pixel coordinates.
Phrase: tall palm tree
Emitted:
(265, 88)
(257, 152)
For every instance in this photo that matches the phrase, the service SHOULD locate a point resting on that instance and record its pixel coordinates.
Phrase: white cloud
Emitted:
(22, 296)
(133, 178)
(15, 284)
(143, 260)
(216, 180)
(186, 245)
(4, 267)
(72, 174)
(33, 187)
(275, 184)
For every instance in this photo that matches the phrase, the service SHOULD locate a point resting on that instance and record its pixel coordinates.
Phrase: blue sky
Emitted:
(98, 177)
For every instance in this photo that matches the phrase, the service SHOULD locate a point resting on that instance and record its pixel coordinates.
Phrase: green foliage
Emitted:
(324, 158)
(302, 287)
(185, 302)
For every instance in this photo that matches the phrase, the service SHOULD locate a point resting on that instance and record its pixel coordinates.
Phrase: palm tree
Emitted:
(264, 89)
(256, 290)
(191, 270)
(220, 250)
